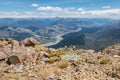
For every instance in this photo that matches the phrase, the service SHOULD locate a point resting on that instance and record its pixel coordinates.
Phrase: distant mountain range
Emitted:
(94, 37)
(95, 33)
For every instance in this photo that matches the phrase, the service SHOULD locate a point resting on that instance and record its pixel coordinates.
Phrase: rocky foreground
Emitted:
(28, 60)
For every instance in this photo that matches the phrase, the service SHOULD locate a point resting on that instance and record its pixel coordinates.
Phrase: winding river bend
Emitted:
(59, 38)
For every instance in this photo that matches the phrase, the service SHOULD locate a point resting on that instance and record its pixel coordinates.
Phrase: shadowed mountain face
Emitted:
(79, 39)
(108, 36)
(93, 38)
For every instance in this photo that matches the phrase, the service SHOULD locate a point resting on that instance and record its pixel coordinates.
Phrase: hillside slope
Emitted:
(28, 60)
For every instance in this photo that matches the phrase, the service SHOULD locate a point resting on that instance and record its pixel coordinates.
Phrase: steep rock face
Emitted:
(35, 62)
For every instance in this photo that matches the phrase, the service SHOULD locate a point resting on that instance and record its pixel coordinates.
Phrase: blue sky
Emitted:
(60, 8)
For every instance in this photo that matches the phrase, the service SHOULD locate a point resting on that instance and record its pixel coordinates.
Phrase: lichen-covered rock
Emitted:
(13, 59)
(70, 56)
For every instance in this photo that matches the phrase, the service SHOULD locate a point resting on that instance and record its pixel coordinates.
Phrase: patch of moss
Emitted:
(39, 48)
(51, 55)
(58, 54)
(52, 60)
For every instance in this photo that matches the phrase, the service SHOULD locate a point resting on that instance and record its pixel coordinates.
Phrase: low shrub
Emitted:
(103, 60)
(45, 73)
(63, 64)
(57, 71)
(58, 54)
(39, 48)
(52, 60)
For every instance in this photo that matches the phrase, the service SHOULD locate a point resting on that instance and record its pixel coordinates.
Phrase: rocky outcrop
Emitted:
(112, 50)
(28, 60)
(29, 42)
(16, 51)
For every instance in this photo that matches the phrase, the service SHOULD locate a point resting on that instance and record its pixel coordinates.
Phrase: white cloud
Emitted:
(54, 9)
(80, 9)
(106, 7)
(49, 8)
(106, 12)
(34, 5)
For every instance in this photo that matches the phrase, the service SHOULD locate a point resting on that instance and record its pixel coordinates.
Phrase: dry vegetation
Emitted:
(40, 48)
(104, 60)
(45, 73)
(63, 64)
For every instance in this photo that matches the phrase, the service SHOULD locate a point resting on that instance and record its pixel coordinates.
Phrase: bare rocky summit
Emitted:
(28, 60)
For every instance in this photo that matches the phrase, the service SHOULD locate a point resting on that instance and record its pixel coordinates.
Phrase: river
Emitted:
(59, 38)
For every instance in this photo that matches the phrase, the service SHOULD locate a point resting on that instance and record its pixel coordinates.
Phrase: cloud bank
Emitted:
(51, 12)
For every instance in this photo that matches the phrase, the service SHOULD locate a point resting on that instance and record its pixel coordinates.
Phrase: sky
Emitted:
(60, 8)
